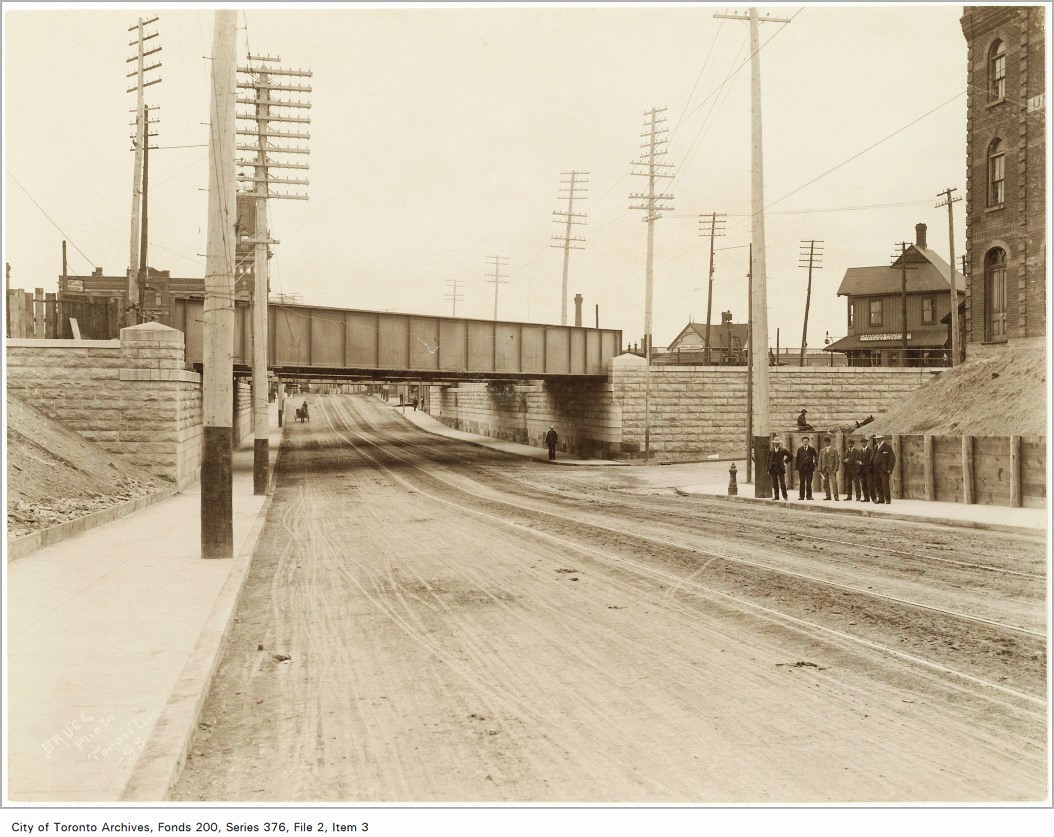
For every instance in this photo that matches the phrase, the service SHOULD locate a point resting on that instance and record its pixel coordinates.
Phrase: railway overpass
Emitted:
(348, 344)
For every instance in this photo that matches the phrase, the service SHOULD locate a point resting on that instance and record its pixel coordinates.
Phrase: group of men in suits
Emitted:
(867, 468)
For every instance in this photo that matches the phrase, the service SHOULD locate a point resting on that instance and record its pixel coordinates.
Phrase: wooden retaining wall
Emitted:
(987, 470)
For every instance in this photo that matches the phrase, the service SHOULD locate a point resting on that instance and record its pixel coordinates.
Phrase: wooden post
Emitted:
(896, 479)
(261, 415)
(51, 318)
(217, 508)
(927, 466)
(1015, 472)
(38, 313)
(967, 447)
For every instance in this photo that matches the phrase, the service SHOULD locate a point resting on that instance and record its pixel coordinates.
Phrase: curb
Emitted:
(911, 518)
(160, 765)
(34, 541)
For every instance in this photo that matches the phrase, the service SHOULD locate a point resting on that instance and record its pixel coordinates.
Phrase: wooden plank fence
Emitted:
(987, 470)
(42, 316)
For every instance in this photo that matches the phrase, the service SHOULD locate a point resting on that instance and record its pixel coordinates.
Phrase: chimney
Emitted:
(578, 310)
(726, 318)
(920, 235)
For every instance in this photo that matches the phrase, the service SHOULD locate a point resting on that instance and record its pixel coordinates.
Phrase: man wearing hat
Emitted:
(884, 461)
(829, 467)
(853, 460)
(803, 423)
(776, 465)
(867, 470)
(805, 464)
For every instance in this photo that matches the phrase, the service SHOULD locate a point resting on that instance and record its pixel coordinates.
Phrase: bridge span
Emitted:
(316, 341)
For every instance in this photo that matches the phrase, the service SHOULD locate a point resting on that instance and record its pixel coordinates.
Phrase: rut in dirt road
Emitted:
(419, 627)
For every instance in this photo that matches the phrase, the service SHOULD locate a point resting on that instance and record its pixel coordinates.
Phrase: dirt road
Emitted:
(430, 621)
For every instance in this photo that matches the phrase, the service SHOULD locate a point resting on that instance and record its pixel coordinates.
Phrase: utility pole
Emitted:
(497, 277)
(948, 201)
(217, 512)
(574, 188)
(902, 258)
(808, 260)
(717, 228)
(144, 269)
(759, 306)
(139, 144)
(259, 82)
(652, 203)
(454, 297)
(750, 364)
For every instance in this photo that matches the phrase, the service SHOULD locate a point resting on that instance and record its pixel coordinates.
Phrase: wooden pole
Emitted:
(217, 513)
(927, 466)
(759, 324)
(261, 430)
(968, 477)
(710, 288)
(896, 479)
(141, 132)
(750, 367)
(1015, 472)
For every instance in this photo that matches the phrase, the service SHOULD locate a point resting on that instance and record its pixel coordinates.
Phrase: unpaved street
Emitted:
(430, 621)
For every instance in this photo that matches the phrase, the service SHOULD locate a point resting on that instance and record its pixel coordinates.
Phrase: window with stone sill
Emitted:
(996, 174)
(997, 72)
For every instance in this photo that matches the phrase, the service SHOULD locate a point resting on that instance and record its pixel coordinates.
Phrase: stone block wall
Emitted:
(132, 396)
(242, 419)
(693, 412)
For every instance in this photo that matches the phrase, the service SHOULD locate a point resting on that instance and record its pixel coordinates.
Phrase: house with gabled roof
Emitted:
(728, 343)
(877, 299)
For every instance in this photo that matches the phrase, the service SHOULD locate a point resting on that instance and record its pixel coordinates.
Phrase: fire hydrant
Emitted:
(732, 490)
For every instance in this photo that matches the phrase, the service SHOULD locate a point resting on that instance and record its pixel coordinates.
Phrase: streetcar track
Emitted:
(724, 557)
(738, 520)
(610, 559)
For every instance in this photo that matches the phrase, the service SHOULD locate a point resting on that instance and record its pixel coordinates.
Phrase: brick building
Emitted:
(1006, 191)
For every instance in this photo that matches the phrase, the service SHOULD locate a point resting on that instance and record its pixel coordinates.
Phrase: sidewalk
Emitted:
(711, 479)
(110, 637)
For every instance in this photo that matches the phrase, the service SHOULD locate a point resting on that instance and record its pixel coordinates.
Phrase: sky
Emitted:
(439, 135)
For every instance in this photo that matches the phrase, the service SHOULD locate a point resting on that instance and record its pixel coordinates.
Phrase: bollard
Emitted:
(732, 490)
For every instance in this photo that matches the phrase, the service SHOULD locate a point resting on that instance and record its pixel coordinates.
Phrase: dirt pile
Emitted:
(999, 393)
(54, 475)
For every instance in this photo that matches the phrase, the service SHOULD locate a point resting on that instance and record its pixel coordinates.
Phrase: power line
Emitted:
(52, 220)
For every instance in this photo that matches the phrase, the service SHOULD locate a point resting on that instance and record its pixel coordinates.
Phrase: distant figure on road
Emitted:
(803, 423)
(829, 466)
(415, 404)
(550, 442)
(885, 460)
(805, 462)
(778, 457)
(853, 460)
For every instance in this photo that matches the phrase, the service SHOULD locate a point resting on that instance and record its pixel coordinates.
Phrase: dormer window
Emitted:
(997, 72)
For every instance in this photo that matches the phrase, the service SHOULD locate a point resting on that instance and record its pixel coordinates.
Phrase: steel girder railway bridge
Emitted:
(307, 341)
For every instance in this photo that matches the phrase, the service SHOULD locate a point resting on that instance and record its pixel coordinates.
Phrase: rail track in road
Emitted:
(990, 657)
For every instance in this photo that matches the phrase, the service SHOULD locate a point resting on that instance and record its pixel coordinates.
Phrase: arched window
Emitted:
(996, 173)
(996, 71)
(995, 294)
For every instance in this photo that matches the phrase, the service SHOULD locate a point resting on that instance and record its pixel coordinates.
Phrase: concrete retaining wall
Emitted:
(133, 396)
(693, 412)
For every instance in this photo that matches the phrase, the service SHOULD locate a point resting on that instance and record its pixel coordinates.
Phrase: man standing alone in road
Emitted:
(885, 460)
(805, 465)
(550, 442)
(778, 457)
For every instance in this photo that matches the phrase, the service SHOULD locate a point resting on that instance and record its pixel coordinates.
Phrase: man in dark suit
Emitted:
(805, 461)
(776, 465)
(867, 470)
(853, 460)
(885, 460)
